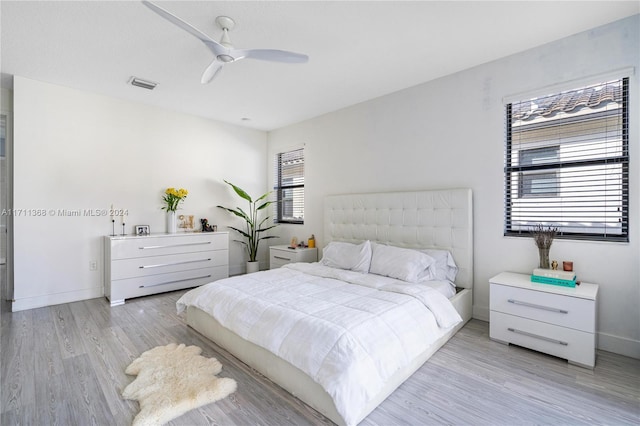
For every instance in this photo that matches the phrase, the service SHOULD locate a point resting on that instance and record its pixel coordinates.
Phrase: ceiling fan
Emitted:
(224, 51)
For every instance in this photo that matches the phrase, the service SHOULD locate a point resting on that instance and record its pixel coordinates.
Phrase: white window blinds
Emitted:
(567, 163)
(289, 167)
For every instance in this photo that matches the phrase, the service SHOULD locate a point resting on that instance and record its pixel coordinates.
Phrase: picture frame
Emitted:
(142, 230)
(186, 222)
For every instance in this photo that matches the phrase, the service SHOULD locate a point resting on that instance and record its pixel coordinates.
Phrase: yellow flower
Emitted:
(173, 197)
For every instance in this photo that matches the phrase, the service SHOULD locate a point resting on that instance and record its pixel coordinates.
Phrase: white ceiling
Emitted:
(358, 50)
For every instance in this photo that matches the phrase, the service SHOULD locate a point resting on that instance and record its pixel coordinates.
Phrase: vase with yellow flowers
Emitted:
(172, 198)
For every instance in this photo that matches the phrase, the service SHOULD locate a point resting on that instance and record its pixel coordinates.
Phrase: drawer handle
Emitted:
(281, 258)
(175, 245)
(532, 305)
(176, 281)
(174, 263)
(547, 339)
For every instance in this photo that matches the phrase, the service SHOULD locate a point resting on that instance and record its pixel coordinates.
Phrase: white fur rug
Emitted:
(172, 380)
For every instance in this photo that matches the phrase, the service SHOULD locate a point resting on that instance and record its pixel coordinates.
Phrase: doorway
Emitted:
(5, 219)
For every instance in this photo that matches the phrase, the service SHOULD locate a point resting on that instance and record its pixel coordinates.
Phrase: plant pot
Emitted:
(253, 267)
(171, 222)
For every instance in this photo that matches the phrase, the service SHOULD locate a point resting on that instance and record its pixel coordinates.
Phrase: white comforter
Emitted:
(348, 331)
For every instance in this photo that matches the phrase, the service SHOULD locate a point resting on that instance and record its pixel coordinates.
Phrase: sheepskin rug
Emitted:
(172, 380)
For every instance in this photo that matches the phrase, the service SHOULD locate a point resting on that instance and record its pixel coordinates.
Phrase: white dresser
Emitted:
(281, 255)
(142, 265)
(556, 320)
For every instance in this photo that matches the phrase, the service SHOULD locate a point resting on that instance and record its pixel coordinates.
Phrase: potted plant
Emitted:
(254, 229)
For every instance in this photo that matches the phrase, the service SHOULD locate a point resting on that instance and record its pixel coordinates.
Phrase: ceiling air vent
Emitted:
(149, 85)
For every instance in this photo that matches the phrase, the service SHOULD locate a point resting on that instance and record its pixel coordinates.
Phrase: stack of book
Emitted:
(551, 276)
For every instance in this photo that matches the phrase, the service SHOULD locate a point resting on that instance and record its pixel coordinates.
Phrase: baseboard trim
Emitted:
(56, 299)
(619, 345)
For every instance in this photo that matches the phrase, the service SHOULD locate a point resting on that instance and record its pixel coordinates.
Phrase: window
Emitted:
(537, 184)
(289, 187)
(567, 163)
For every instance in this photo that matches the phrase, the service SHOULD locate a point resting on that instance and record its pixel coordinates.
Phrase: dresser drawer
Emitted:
(142, 286)
(575, 345)
(157, 246)
(143, 266)
(562, 310)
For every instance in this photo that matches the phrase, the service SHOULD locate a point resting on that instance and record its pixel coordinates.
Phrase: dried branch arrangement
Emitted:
(543, 235)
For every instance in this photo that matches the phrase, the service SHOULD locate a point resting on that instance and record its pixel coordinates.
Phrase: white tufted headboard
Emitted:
(441, 219)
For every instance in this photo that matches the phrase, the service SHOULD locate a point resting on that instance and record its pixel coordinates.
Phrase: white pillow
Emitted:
(400, 263)
(347, 256)
(444, 268)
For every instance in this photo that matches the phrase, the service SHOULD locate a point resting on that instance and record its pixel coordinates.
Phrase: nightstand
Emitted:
(281, 255)
(556, 320)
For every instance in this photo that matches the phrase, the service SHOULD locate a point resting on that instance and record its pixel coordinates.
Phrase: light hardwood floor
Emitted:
(64, 365)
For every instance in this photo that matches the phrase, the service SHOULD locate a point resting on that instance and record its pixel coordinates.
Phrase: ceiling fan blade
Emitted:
(213, 45)
(212, 70)
(270, 55)
(223, 51)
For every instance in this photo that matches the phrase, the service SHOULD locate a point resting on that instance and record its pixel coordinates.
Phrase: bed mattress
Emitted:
(351, 334)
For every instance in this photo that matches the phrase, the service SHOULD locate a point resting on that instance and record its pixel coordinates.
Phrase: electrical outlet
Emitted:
(93, 265)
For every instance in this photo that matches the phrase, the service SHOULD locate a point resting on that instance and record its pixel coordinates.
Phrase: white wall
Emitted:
(75, 150)
(449, 133)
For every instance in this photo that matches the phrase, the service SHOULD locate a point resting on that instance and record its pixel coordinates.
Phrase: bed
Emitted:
(416, 220)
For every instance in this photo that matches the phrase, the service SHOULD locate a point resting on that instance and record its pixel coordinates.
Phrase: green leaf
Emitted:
(240, 231)
(245, 216)
(238, 212)
(263, 196)
(265, 229)
(268, 203)
(240, 192)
